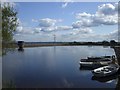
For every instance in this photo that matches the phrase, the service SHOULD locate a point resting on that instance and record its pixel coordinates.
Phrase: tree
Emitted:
(113, 42)
(9, 22)
(9, 25)
(105, 42)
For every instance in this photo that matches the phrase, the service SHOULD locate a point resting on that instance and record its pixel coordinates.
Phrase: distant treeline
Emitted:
(35, 44)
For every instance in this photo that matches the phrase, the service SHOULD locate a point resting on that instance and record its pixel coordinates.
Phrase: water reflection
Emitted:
(87, 68)
(52, 67)
(107, 79)
(21, 50)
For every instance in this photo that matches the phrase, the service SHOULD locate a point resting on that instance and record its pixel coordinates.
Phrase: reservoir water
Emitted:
(54, 67)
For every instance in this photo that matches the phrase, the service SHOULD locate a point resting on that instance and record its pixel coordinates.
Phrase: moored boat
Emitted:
(106, 79)
(100, 62)
(97, 61)
(92, 59)
(105, 71)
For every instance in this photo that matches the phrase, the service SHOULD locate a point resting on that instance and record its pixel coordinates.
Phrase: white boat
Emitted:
(96, 62)
(106, 70)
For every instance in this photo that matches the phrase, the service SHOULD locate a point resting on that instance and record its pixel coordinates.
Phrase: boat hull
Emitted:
(105, 71)
(104, 75)
(94, 64)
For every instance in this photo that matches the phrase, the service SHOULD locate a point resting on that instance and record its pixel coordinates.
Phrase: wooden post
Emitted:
(117, 52)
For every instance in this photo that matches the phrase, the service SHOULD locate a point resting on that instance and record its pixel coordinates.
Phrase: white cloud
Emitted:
(47, 22)
(65, 3)
(49, 25)
(33, 20)
(56, 28)
(64, 27)
(4, 0)
(106, 20)
(84, 23)
(112, 35)
(37, 30)
(19, 29)
(86, 31)
(107, 9)
(5, 3)
(79, 34)
(105, 15)
(27, 30)
(49, 29)
(79, 30)
(83, 15)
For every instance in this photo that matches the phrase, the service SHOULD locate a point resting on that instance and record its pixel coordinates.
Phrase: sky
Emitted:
(73, 21)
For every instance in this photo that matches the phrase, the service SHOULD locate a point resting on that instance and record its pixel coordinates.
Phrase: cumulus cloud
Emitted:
(107, 9)
(105, 15)
(47, 22)
(81, 36)
(113, 35)
(27, 30)
(37, 30)
(5, 3)
(84, 23)
(48, 29)
(86, 31)
(83, 15)
(49, 25)
(106, 19)
(81, 31)
(56, 28)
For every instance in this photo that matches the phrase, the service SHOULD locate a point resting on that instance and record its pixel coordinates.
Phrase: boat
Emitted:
(91, 59)
(105, 70)
(87, 68)
(96, 62)
(105, 79)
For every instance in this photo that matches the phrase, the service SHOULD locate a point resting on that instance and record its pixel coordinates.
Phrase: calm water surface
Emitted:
(54, 67)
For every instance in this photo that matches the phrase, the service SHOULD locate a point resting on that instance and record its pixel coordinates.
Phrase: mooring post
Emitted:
(117, 52)
(20, 45)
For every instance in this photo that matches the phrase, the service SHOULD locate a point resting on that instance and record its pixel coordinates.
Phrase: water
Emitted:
(43, 67)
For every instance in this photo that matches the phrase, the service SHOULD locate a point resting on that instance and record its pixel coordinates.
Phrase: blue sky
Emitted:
(37, 10)
(81, 21)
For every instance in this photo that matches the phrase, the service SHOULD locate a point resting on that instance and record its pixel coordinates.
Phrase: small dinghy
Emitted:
(106, 70)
